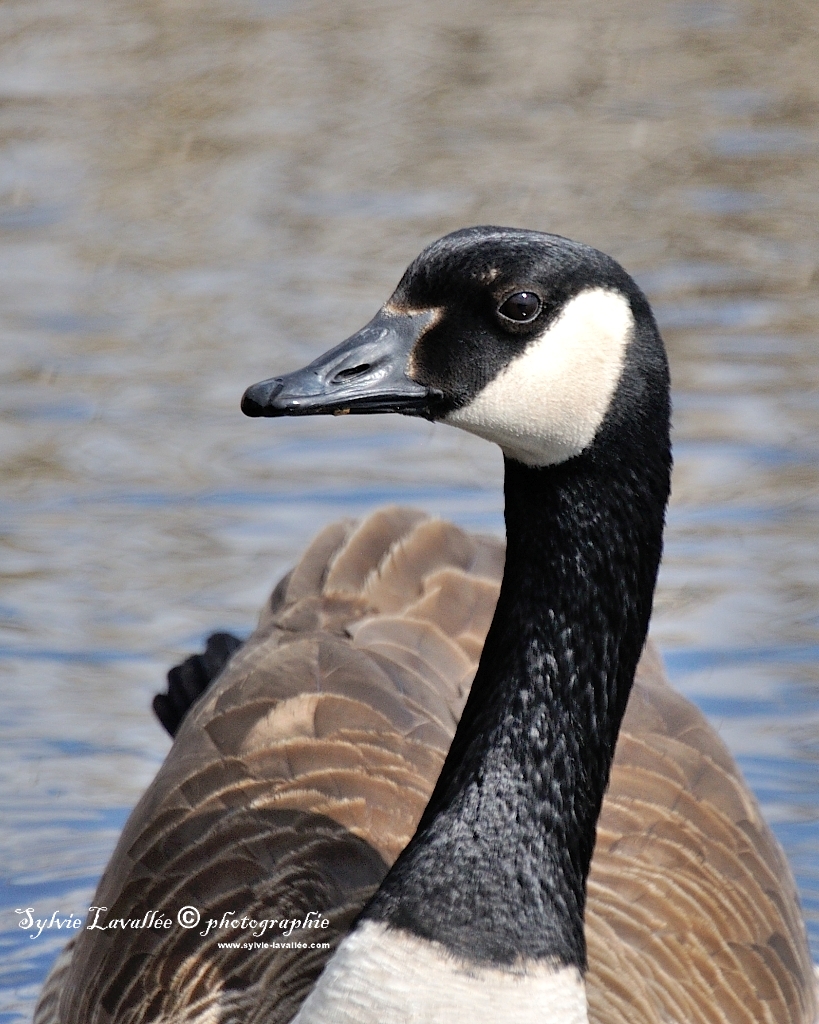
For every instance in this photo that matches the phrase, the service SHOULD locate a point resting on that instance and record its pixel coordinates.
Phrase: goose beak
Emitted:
(367, 373)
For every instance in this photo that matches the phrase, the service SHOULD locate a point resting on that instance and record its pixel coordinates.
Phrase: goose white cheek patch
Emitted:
(546, 406)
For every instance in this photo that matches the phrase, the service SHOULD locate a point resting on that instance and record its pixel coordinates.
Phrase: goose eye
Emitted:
(521, 306)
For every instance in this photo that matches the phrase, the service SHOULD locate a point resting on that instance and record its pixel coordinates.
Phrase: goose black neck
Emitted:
(497, 869)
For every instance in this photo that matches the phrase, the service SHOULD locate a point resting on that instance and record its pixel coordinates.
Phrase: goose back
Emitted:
(300, 775)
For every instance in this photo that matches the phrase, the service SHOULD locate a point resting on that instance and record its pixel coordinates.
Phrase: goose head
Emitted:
(530, 340)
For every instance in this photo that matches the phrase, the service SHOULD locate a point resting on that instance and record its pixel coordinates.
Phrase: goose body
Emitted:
(415, 742)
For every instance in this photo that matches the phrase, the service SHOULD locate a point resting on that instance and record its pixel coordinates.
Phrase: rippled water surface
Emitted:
(194, 196)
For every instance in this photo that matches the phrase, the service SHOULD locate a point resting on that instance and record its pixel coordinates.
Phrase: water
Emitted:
(193, 197)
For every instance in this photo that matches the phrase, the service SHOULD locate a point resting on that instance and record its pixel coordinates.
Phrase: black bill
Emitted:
(367, 373)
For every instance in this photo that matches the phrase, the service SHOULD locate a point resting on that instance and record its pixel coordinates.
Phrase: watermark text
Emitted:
(187, 917)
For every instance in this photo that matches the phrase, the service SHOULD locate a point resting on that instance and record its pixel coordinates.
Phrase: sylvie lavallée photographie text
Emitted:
(185, 917)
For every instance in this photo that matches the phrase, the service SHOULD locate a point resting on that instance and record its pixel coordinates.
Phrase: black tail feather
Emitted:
(188, 681)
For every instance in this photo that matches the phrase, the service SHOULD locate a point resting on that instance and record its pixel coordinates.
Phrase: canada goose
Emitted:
(296, 782)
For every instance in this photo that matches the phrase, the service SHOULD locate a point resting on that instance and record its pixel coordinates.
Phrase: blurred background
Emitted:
(194, 196)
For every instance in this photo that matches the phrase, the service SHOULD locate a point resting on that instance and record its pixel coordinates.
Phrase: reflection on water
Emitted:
(194, 196)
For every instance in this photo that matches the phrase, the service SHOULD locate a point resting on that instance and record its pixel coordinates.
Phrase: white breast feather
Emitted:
(380, 975)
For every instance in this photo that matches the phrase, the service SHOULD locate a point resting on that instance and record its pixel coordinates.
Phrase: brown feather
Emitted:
(299, 776)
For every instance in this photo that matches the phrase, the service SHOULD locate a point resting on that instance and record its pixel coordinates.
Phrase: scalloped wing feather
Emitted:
(301, 773)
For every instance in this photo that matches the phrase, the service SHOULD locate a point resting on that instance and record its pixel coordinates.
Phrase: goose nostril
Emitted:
(351, 371)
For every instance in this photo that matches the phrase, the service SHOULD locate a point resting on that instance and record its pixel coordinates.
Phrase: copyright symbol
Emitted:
(188, 917)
